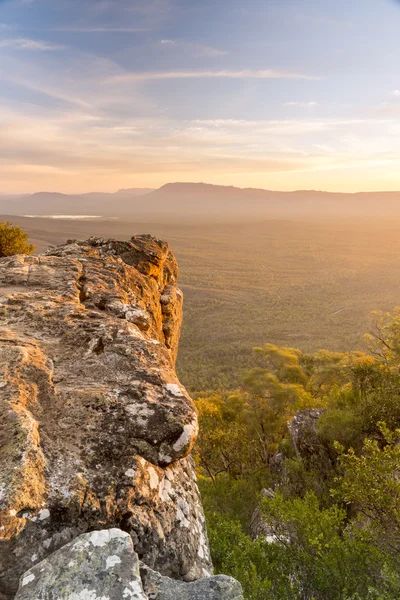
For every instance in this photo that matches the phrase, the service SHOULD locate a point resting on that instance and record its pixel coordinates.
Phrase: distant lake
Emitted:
(73, 217)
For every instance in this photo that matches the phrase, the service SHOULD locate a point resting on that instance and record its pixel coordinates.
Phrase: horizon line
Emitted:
(202, 183)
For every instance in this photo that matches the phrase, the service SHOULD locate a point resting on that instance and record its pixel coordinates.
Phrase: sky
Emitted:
(97, 95)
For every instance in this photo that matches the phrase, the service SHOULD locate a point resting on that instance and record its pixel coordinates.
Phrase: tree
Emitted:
(370, 484)
(13, 240)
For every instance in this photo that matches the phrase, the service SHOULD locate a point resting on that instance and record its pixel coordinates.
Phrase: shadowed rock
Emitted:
(219, 587)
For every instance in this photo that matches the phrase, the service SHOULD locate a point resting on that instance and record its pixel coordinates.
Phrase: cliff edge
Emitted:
(95, 428)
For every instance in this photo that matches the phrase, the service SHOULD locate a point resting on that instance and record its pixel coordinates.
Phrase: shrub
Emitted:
(13, 240)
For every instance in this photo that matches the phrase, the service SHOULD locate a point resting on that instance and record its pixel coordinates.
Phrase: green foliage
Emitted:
(370, 483)
(314, 556)
(335, 516)
(233, 499)
(13, 240)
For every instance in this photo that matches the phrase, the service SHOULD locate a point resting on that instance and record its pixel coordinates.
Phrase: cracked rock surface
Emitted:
(95, 428)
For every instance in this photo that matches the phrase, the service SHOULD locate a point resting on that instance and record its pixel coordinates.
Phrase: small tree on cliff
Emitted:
(13, 240)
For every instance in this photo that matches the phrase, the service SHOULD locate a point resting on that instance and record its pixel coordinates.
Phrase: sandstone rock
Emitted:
(219, 587)
(95, 429)
(96, 566)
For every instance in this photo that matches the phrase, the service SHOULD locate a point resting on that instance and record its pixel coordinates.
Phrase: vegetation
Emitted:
(332, 509)
(308, 284)
(13, 240)
(334, 514)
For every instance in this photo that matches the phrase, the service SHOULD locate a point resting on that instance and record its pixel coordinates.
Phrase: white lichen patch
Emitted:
(182, 520)
(87, 595)
(165, 489)
(27, 579)
(44, 514)
(13, 513)
(154, 480)
(174, 389)
(102, 537)
(141, 412)
(130, 473)
(190, 431)
(134, 591)
(164, 457)
(112, 561)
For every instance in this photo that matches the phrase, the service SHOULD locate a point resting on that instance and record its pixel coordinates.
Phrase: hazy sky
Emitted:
(279, 94)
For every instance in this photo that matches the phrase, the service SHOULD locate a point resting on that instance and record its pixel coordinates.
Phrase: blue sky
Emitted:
(280, 94)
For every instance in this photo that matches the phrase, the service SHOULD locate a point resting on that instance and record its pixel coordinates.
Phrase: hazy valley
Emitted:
(305, 283)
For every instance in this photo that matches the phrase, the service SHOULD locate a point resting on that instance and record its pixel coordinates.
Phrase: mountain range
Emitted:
(205, 202)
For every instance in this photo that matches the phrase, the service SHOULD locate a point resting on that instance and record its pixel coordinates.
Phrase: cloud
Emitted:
(301, 104)
(194, 49)
(28, 44)
(244, 74)
(55, 93)
(325, 20)
(101, 29)
(396, 94)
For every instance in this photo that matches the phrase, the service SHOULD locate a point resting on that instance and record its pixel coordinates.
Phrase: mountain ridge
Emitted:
(208, 202)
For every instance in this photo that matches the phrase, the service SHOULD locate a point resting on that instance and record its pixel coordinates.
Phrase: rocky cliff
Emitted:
(95, 429)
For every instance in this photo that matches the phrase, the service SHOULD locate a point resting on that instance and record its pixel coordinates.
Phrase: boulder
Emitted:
(219, 587)
(103, 565)
(96, 430)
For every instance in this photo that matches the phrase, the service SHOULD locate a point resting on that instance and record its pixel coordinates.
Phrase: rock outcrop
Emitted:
(95, 429)
(102, 565)
(303, 433)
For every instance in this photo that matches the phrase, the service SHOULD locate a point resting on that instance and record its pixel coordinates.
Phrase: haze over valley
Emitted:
(183, 202)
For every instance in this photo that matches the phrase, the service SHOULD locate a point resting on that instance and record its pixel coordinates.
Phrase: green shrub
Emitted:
(13, 240)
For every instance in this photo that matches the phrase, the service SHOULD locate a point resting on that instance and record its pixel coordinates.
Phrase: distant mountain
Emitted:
(205, 202)
(135, 191)
(120, 203)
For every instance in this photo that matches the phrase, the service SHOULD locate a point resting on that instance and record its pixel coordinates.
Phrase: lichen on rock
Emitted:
(95, 428)
(102, 565)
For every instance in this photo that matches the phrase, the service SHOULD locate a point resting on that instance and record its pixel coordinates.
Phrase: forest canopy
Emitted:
(299, 472)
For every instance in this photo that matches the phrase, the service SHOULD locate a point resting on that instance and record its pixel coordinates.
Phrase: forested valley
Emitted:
(297, 385)
(299, 468)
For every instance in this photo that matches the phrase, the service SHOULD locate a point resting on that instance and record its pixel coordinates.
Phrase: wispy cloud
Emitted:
(395, 94)
(194, 49)
(28, 44)
(102, 29)
(301, 104)
(322, 20)
(244, 74)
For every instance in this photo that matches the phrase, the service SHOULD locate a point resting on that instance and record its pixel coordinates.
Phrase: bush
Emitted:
(316, 556)
(13, 240)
